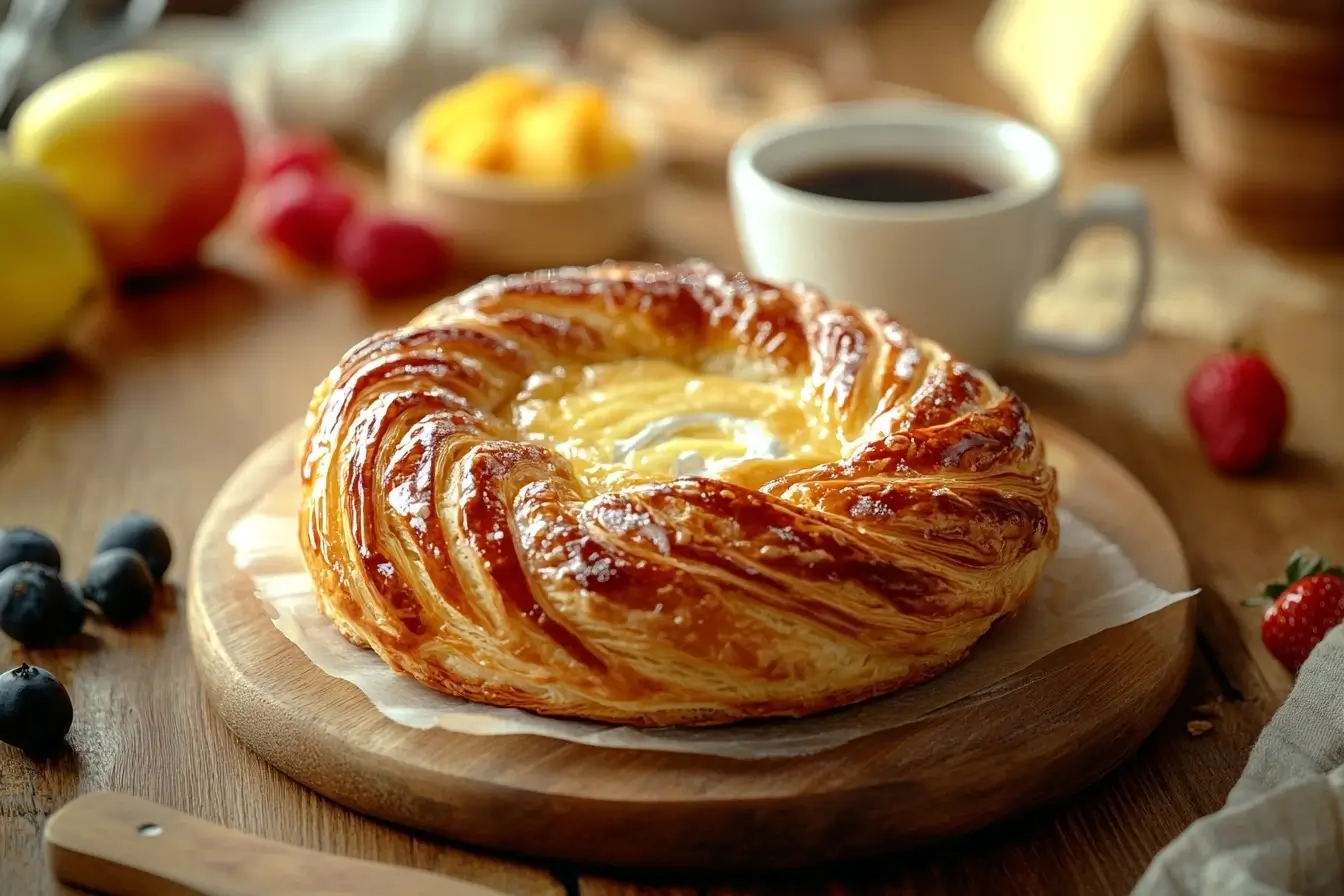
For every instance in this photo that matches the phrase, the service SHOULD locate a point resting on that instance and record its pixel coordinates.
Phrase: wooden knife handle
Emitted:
(120, 844)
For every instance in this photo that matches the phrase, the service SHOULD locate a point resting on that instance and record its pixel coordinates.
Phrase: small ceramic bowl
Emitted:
(1249, 61)
(1258, 102)
(1279, 175)
(1322, 12)
(499, 224)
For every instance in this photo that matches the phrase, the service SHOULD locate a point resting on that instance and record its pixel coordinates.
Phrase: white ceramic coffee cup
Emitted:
(958, 271)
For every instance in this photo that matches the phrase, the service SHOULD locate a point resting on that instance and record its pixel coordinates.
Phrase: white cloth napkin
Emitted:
(1282, 830)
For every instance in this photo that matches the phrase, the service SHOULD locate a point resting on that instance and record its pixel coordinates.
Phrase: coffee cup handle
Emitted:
(1108, 206)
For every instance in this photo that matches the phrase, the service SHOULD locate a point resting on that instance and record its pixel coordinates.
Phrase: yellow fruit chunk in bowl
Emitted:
(569, 137)
(525, 170)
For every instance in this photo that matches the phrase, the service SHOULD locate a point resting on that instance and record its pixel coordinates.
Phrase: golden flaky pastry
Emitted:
(667, 496)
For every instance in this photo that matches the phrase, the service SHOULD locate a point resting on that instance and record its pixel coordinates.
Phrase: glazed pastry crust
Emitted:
(483, 565)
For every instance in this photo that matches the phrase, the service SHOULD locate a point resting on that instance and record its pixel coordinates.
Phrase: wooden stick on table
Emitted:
(120, 844)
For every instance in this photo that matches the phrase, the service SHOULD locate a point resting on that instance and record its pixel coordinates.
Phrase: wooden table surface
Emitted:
(166, 393)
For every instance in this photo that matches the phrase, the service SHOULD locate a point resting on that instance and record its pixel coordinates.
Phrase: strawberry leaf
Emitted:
(1301, 564)
(1297, 562)
(1267, 594)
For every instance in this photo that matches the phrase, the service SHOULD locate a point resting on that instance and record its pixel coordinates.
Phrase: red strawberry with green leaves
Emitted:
(1307, 604)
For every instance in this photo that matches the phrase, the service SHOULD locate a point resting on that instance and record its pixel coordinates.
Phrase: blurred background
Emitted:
(1252, 91)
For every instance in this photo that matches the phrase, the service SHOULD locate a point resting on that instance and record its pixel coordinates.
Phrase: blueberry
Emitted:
(22, 544)
(120, 585)
(142, 534)
(35, 710)
(37, 606)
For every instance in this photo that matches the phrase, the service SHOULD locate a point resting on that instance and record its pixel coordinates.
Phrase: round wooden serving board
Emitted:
(1043, 734)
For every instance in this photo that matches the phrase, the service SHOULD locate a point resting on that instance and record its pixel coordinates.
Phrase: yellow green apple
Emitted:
(149, 149)
(49, 264)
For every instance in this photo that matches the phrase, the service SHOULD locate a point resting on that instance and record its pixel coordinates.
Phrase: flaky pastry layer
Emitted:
(483, 565)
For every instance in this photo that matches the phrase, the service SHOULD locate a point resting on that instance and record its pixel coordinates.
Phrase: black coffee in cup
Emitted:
(887, 182)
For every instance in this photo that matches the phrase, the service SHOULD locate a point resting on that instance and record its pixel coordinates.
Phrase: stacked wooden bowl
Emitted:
(1257, 88)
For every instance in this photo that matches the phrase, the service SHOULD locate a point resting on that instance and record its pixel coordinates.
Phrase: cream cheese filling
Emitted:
(625, 422)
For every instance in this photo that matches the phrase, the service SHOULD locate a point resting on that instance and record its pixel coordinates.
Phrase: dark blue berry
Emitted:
(35, 710)
(24, 545)
(120, 585)
(142, 534)
(38, 607)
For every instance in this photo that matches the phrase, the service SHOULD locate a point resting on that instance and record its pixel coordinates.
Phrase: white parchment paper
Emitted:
(1090, 586)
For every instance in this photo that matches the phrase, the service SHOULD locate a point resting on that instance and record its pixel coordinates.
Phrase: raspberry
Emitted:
(303, 214)
(390, 255)
(312, 154)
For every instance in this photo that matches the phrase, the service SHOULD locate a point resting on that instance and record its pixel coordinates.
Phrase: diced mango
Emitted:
(615, 152)
(570, 136)
(473, 144)
(514, 122)
(497, 93)
(546, 145)
(585, 108)
(504, 91)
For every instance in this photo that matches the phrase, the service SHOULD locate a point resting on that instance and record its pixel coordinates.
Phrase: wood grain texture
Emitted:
(166, 395)
(1035, 738)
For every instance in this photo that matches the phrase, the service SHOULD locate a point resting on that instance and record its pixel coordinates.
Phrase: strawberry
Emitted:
(1307, 604)
(1239, 410)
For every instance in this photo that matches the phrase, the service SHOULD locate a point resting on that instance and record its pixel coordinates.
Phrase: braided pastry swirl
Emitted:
(667, 496)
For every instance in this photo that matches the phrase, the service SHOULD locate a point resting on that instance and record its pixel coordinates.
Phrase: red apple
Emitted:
(149, 150)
